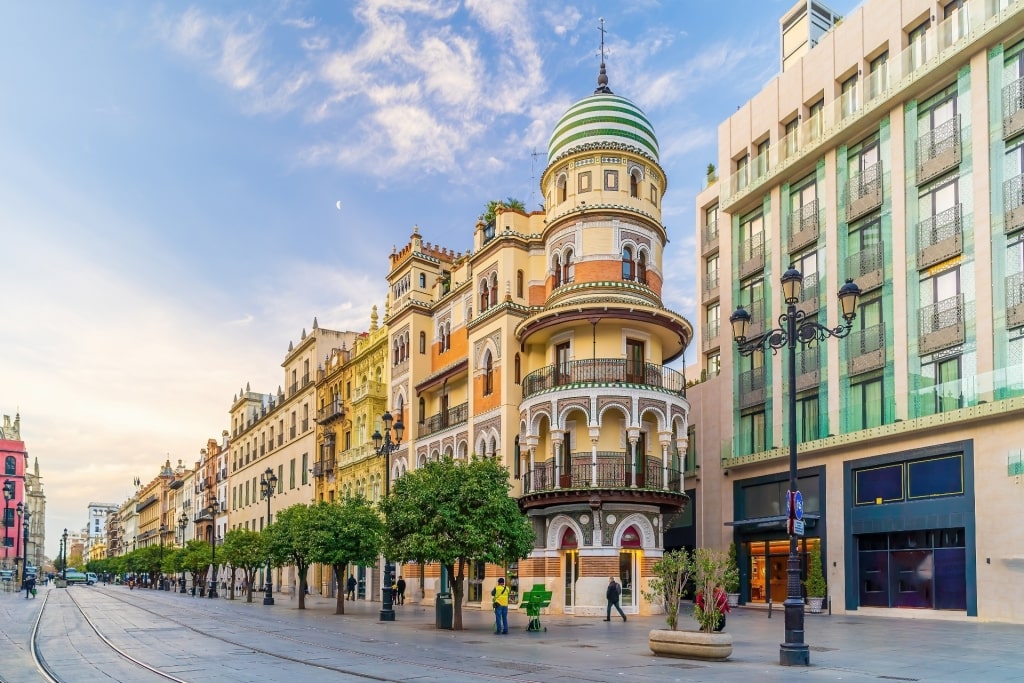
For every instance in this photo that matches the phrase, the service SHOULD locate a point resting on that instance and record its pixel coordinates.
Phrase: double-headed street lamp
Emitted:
(385, 447)
(268, 481)
(20, 510)
(793, 329)
(8, 497)
(163, 530)
(64, 553)
(24, 560)
(213, 508)
(182, 524)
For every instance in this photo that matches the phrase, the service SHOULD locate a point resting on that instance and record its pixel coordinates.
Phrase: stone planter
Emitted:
(690, 644)
(814, 605)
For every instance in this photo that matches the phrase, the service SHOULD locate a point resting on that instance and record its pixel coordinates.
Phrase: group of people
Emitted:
(397, 589)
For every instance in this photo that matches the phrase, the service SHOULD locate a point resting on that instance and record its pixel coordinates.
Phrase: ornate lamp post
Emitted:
(162, 584)
(385, 447)
(794, 329)
(8, 497)
(213, 507)
(182, 524)
(24, 560)
(64, 552)
(268, 481)
(20, 510)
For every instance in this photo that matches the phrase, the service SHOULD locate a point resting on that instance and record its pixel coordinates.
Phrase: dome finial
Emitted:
(602, 77)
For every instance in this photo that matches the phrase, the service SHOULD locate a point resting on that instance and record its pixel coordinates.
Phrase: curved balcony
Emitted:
(610, 477)
(602, 372)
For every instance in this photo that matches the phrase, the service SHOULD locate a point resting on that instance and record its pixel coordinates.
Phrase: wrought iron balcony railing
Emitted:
(612, 470)
(450, 418)
(603, 371)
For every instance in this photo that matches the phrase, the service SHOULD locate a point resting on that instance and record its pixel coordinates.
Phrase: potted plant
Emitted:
(670, 576)
(712, 175)
(815, 584)
(732, 583)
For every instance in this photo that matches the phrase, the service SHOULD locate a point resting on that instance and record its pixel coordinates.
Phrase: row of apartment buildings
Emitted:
(888, 151)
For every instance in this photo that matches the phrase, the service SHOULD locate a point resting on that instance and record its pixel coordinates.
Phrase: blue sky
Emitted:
(170, 178)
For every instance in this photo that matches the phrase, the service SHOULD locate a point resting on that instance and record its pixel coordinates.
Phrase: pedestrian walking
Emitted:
(30, 587)
(401, 590)
(612, 594)
(500, 595)
(351, 585)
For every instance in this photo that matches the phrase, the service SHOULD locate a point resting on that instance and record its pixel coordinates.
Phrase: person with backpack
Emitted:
(500, 604)
(612, 594)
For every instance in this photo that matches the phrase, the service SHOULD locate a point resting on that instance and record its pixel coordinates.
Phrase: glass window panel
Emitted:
(763, 500)
(874, 578)
(810, 489)
(879, 483)
(935, 477)
(951, 579)
(911, 574)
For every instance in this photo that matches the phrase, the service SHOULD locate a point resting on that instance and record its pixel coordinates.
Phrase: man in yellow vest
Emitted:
(500, 595)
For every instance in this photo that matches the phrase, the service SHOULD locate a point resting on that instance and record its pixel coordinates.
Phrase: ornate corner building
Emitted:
(547, 346)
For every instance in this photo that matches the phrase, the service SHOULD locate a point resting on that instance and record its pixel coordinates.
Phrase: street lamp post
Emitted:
(385, 447)
(64, 560)
(162, 585)
(24, 560)
(213, 507)
(8, 497)
(794, 329)
(267, 483)
(20, 509)
(182, 524)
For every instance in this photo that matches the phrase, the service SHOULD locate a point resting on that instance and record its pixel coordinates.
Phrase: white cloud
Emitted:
(302, 23)
(562, 20)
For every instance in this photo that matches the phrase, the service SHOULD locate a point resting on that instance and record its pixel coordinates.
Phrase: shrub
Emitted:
(816, 587)
(671, 574)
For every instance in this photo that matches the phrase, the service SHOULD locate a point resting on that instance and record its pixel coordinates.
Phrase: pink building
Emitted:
(12, 460)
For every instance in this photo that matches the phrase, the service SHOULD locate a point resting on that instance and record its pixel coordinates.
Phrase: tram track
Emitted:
(277, 635)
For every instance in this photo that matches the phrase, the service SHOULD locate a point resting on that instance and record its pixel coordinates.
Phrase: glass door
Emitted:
(572, 572)
(627, 577)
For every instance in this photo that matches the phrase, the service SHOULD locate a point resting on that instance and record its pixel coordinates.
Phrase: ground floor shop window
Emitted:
(768, 564)
(477, 571)
(913, 569)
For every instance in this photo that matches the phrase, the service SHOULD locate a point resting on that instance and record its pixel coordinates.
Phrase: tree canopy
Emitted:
(453, 513)
(292, 540)
(246, 550)
(347, 532)
(491, 210)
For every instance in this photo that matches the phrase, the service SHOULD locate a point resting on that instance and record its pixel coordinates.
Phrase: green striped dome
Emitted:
(603, 119)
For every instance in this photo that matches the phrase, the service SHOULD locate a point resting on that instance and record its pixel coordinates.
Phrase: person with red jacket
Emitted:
(721, 603)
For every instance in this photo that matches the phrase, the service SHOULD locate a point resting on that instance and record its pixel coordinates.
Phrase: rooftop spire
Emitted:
(602, 77)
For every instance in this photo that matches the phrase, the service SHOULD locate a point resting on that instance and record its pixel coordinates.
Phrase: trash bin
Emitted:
(443, 611)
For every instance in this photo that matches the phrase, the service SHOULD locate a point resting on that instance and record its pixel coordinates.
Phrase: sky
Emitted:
(183, 188)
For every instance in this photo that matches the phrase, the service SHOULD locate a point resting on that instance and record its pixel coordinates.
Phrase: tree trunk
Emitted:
(302, 585)
(250, 576)
(457, 596)
(339, 576)
(234, 580)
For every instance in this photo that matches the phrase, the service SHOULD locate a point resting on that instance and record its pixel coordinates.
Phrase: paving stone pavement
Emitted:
(848, 647)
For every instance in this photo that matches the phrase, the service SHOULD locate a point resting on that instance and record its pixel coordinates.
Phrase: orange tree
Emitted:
(454, 513)
(347, 532)
(246, 550)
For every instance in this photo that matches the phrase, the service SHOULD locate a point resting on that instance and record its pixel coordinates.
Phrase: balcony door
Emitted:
(635, 358)
(563, 369)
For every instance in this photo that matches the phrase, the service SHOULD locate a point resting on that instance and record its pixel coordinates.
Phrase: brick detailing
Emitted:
(581, 403)
(635, 237)
(599, 566)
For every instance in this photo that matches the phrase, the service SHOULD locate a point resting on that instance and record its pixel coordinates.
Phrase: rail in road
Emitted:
(139, 636)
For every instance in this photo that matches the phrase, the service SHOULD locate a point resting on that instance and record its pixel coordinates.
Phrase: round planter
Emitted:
(814, 605)
(690, 644)
(734, 599)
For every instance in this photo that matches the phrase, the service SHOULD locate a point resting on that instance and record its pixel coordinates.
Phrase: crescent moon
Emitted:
(338, 204)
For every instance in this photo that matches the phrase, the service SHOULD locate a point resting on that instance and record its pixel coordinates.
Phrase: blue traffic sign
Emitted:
(798, 505)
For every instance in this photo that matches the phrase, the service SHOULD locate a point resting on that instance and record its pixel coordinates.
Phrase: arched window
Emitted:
(568, 269)
(399, 409)
(641, 268)
(397, 353)
(484, 296)
(493, 451)
(494, 289)
(519, 284)
(556, 267)
(423, 342)
(561, 184)
(634, 184)
(627, 263)
(488, 373)
(10, 465)
(423, 410)
(447, 335)
(448, 453)
(518, 369)
(440, 338)
(423, 280)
